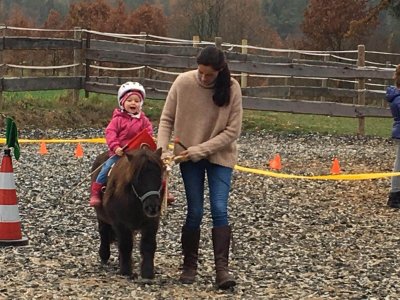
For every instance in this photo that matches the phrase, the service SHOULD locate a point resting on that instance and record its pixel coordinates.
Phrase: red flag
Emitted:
(143, 138)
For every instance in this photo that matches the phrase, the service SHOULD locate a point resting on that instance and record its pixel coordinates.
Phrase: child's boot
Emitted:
(95, 191)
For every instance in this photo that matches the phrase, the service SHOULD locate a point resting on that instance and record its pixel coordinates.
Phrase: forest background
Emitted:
(295, 24)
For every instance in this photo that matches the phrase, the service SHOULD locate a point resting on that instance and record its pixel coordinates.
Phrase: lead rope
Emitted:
(168, 162)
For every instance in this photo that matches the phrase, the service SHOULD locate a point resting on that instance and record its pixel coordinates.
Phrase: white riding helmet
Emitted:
(128, 87)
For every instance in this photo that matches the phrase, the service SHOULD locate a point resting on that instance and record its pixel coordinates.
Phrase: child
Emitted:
(126, 122)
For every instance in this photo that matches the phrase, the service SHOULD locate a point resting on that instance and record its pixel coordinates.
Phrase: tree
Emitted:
(17, 18)
(284, 16)
(116, 21)
(233, 20)
(394, 6)
(88, 14)
(54, 20)
(147, 18)
(326, 27)
(196, 17)
(247, 16)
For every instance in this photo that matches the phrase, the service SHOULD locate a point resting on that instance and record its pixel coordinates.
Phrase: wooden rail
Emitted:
(295, 96)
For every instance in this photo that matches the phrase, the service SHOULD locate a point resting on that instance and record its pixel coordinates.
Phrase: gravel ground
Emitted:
(293, 239)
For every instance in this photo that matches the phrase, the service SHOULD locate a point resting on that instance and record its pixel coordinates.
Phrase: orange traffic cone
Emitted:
(43, 149)
(78, 151)
(335, 169)
(275, 164)
(10, 225)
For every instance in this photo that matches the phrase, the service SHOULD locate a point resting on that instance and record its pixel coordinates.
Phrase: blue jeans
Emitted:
(219, 184)
(102, 177)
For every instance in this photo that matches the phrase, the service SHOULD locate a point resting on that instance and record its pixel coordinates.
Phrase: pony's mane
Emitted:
(132, 163)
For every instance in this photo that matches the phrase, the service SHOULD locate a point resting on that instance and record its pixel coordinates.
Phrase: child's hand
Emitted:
(119, 151)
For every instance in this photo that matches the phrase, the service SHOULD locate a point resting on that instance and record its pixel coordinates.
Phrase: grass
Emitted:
(253, 120)
(287, 122)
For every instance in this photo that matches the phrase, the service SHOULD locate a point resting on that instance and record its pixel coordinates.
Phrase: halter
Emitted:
(148, 194)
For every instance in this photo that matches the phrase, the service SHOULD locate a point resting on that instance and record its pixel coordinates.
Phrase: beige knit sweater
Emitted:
(209, 131)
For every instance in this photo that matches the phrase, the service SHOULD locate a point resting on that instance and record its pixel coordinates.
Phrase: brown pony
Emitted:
(131, 202)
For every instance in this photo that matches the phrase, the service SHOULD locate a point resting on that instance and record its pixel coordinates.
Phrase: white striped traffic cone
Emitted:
(10, 223)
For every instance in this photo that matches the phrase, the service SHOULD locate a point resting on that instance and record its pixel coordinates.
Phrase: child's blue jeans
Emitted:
(102, 177)
(219, 184)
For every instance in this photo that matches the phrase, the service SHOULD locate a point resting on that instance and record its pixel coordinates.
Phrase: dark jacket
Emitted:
(393, 97)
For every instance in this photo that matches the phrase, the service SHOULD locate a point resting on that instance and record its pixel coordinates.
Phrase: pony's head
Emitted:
(142, 175)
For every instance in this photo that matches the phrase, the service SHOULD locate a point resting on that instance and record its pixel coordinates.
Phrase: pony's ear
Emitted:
(159, 151)
(144, 146)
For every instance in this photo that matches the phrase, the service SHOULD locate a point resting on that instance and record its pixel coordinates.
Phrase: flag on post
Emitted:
(143, 138)
(12, 137)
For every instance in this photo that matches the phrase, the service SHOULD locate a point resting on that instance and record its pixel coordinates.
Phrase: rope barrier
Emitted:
(361, 176)
(91, 140)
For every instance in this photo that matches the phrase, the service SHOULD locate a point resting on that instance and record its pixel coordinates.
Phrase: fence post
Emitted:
(386, 82)
(361, 88)
(87, 61)
(141, 72)
(243, 76)
(324, 82)
(196, 41)
(218, 42)
(77, 60)
(292, 55)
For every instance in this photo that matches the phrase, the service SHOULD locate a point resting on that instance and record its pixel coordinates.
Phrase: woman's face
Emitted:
(207, 74)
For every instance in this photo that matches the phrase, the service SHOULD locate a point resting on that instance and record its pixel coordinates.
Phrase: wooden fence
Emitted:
(286, 81)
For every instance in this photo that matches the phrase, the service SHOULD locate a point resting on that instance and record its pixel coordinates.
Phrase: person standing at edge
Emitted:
(393, 97)
(204, 110)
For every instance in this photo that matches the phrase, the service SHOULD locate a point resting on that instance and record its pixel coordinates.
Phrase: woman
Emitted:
(204, 109)
(393, 97)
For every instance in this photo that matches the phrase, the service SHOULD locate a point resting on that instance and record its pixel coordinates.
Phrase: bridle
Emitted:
(147, 194)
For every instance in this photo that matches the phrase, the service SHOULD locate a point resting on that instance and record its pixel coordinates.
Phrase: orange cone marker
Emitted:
(43, 149)
(335, 169)
(275, 164)
(79, 151)
(10, 223)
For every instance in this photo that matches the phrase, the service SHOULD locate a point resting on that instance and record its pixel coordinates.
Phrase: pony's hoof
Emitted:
(147, 275)
(104, 262)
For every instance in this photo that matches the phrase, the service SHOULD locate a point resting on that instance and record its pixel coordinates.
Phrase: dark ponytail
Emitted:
(214, 57)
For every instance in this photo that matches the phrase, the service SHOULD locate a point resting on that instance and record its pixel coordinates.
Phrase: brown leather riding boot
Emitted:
(190, 248)
(221, 237)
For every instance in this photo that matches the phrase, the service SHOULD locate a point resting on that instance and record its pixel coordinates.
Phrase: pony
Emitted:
(131, 203)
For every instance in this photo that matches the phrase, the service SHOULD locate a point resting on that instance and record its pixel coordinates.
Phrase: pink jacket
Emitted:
(123, 127)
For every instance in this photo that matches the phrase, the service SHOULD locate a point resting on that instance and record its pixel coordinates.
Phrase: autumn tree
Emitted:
(117, 19)
(247, 16)
(54, 20)
(17, 18)
(147, 18)
(326, 27)
(88, 14)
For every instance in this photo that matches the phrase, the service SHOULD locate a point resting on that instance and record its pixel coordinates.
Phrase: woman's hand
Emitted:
(181, 157)
(119, 151)
(184, 154)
